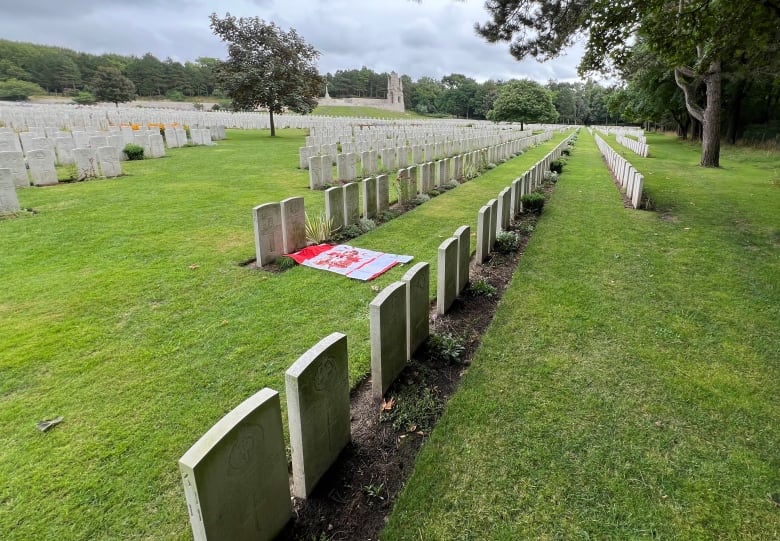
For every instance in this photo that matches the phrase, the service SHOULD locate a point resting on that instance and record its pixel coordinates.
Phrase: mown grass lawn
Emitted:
(628, 386)
(363, 112)
(124, 309)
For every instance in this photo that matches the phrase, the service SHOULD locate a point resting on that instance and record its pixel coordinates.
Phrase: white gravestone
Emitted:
(446, 275)
(463, 234)
(483, 234)
(382, 193)
(14, 160)
(109, 162)
(268, 232)
(334, 206)
(417, 280)
(387, 320)
(369, 198)
(156, 145)
(9, 202)
(317, 387)
(86, 163)
(42, 168)
(235, 476)
(351, 203)
(293, 224)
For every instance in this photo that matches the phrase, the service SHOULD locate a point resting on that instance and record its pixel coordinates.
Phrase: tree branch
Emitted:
(688, 89)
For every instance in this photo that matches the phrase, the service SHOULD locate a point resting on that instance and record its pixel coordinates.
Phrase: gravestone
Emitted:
(268, 232)
(351, 203)
(504, 206)
(142, 140)
(446, 275)
(293, 224)
(109, 162)
(64, 146)
(9, 142)
(334, 206)
(417, 280)
(382, 193)
(418, 154)
(463, 234)
(442, 172)
(636, 197)
(367, 163)
(326, 169)
(181, 136)
(346, 169)
(388, 158)
(387, 318)
(369, 198)
(41, 168)
(97, 141)
(414, 184)
(171, 139)
(86, 163)
(14, 160)
(235, 476)
(515, 195)
(402, 157)
(9, 202)
(315, 173)
(483, 234)
(317, 387)
(156, 145)
(493, 204)
(127, 135)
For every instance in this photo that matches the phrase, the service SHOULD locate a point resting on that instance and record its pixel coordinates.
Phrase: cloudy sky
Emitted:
(432, 37)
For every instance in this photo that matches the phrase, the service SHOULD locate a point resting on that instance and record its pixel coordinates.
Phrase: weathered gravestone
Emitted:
(493, 203)
(318, 410)
(41, 168)
(156, 145)
(417, 280)
(334, 206)
(14, 160)
(293, 224)
(9, 202)
(369, 198)
(86, 163)
(235, 476)
(463, 234)
(109, 162)
(387, 319)
(351, 203)
(483, 234)
(382, 193)
(446, 275)
(315, 172)
(268, 232)
(504, 205)
(64, 146)
(142, 140)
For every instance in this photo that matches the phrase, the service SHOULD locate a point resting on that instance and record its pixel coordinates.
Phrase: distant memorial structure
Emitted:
(393, 102)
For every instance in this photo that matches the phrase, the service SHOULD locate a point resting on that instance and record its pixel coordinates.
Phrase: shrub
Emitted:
(533, 202)
(491, 165)
(175, 95)
(84, 98)
(366, 225)
(550, 176)
(557, 166)
(421, 198)
(318, 228)
(134, 152)
(445, 347)
(566, 152)
(198, 106)
(285, 262)
(482, 288)
(507, 242)
(16, 90)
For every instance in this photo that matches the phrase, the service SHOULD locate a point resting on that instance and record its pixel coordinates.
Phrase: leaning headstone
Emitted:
(369, 198)
(417, 280)
(86, 163)
(109, 162)
(387, 319)
(235, 476)
(318, 410)
(483, 234)
(9, 202)
(14, 160)
(382, 193)
(293, 224)
(463, 234)
(351, 203)
(41, 168)
(446, 275)
(334, 206)
(268, 232)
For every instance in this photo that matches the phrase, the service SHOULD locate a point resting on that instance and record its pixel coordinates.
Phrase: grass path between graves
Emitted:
(124, 310)
(628, 386)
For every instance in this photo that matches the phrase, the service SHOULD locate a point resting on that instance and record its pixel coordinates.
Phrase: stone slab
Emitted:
(446, 275)
(293, 224)
(387, 319)
(9, 202)
(268, 232)
(463, 234)
(417, 280)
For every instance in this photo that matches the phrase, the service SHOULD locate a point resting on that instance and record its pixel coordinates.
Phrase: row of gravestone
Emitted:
(235, 477)
(630, 180)
(637, 147)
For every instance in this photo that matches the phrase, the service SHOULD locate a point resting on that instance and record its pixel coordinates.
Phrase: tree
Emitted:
(692, 37)
(16, 90)
(523, 101)
(267, 67)
(110, 85)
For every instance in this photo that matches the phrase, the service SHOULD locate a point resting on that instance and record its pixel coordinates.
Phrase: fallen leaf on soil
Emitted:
(388, 405)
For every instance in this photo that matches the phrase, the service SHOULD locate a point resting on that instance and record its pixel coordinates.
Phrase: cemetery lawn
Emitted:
(126, 311)
(628, 385)
(363, 112)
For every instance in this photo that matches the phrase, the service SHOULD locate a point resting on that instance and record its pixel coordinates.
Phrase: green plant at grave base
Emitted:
(421, 198)
(285, 262)
(319, 228)
(556, 166)
(533, 202)
(566, 151)
(387, 215)
(366, 225)
(348, 232)
(445, 347)
(451, 185)
(134, 152)
(482, 288)
(413, 409)
(507, 242)
(402, 189)
(374, 492)
(550, 177)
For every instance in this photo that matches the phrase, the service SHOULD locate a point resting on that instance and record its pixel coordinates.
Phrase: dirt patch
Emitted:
(354, 499)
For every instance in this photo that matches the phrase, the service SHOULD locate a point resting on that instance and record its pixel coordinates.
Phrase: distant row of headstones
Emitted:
(235, 476)
(631, 138)
(630, 180)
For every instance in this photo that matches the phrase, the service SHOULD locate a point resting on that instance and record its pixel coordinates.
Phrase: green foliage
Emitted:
(414, 409)
(482, 288)
(445, 347)
(267, 66)
(507, 242)
(523, 101)
(16, 90)
(174, 95)
(533, 202)
(421, 198)
(84, 98)
(134, 152)
(556, 166)
(319, 228)
(110, 85)
(285, 262)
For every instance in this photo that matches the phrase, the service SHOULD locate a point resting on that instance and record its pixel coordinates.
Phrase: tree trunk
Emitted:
(271, 118)
(735, 112)
(709, 117)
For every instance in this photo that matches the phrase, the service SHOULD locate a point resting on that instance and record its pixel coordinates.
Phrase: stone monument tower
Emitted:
(395, 92)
